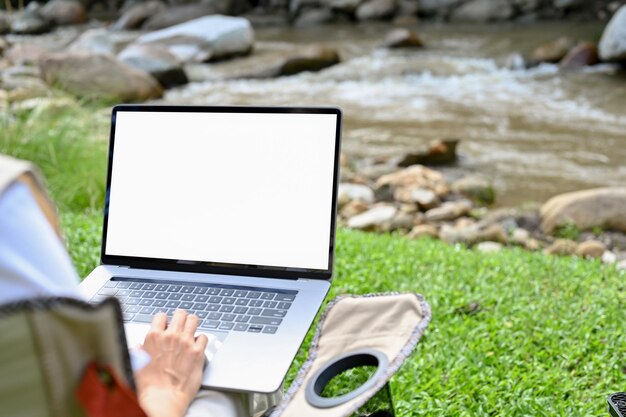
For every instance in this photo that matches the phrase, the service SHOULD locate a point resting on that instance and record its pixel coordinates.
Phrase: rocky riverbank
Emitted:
(400, 195)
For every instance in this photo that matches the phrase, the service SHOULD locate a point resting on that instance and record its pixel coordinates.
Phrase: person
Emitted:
(34, 263)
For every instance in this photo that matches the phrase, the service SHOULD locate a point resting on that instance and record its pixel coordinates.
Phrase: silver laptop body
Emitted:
(229, 213)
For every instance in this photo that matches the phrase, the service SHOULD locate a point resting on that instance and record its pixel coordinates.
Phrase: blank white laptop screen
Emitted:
(238, 188)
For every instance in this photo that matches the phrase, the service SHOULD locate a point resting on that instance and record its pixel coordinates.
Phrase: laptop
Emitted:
(228, 213)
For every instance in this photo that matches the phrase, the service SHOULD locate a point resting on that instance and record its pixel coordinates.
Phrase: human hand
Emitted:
(168, 384)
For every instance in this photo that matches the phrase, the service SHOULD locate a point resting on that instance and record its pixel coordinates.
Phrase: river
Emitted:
(535, 132)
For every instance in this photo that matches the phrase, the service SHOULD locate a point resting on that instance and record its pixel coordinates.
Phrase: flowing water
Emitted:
(536, 132)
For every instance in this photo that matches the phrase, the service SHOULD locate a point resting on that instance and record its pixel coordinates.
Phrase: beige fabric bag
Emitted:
(45, 346)
(377, 330)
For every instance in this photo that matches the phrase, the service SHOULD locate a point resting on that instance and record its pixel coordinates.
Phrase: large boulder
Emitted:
(64, 12)
(376, 10)
(206, 38)
(410, 179)
(314, 17)
(137, 15)
(99, 76)
(5, 23)
(582, 55)
(613, 42)
(437, 7)
(438, 152)
(600, 207)
(29, 22)
(402, 38)
(311, 58)
(179, 14)
(553, 51)
(481, 11)
(157, 61)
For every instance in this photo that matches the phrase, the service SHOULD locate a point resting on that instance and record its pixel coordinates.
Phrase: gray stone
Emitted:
(489, 247)
(413, 177)
(451, 234)
(563, 247)
(481, 11)
(312, 58)
(373, 218)
(609, 258)
(424, 230)
(402, 38)
(177, 15)
(475, 187)
(346, 6)
(580, 56)
(553, 51)
(102, 41)
(520, 236)
(24, 53)
(437, 7)
(376, 10)
(600, 207)
(450, 210)
(29, 22)
(401, 221)
(98, 76)
(64, 12)
(209, 37)
(352, 208)
(350, 192)
(157, 61)
(5, 24)
(424, 197)
(137, 15)
(314, 17)
(612, 45)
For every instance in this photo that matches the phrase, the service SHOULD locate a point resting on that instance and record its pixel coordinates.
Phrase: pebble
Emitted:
(562, 247)
(489, 247)
(591, 249)
(373, 218)
(424, 230)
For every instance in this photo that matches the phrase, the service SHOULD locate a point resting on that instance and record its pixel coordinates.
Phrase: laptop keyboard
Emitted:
(219, 307)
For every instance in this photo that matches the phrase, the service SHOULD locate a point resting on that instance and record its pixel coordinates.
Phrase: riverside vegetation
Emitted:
(513, 333)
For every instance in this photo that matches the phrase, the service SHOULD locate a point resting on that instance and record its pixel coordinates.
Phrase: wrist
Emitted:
(162, 403)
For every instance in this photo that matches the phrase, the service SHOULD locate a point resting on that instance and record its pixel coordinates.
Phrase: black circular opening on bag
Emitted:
(321, 378)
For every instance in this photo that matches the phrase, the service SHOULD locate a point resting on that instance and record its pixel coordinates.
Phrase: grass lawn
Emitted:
(513, 333)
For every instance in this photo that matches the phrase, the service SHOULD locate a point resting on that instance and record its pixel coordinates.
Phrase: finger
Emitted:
(159, 322)
(202, 341)
(191, 325)
(178, 321)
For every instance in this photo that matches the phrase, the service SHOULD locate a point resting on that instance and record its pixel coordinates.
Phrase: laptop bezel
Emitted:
(213, 267)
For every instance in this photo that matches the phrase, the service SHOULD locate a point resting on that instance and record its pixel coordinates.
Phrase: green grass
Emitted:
(513, 333)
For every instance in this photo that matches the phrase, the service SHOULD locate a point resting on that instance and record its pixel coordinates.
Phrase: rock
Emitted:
(401, 221)
(314, 17)
(533, 245)
(99, 76)
(600, 207)
(450, 210)
(29, 22)
(520, 236)
(591, 249)
(345, 6)
(313, 58)
(562, 247)
(553, 51)
(353, 208)
(475, 187)
(580, 56)
(157, 61)
(209, 37)
(609, 257)
(102, 41)
(437, 7)
(612, 45)
(439, 152)
(424, 197)
(376, 10)
(481, 11)
(404, 183)
(64, 12)
(402, 38)
(458, 234)
(137, 15)
(177, 15)
(489, 247)
(492, 233)
(373, 218)
(24, 53)
(621, 265)
(424, 230)
(351, 192)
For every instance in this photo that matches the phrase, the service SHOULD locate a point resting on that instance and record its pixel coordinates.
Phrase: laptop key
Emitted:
(202, 298)
(188, 297)
(174, 288)
(240, 327)
(254, 294)
(213, 291)
(108, 292)
(242, 302)
(240, 310)
(255, 329)
(240, 293)
(227, 309)
(226, 293)
(210, 324)
(123, 284)
(147, 310)
(270, 304)
(266, 320)
(131, 301)
(172, 304)
(123, 293)
(136, 294)
(111, 284)
(136, 285)
(213, 307)
(268, 312)
(201, 314)
(200, 290)
(228, 300)
(186, 289)
(283, 305)
(199, 306)
(175, 296)
(185, 305)
(161, 296)
(214, 316)
(215, 299)
(149, 294)
(285, 297)
(256, 303)
(161, 287)
(143, 318)
(267, 296)
(128, 316)
(149, 287)
(270, 329)
(255, 311)
(159, 303)
(146, 302)
(242, 319)
(133, 309)
(226, 326)
(228, 317)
